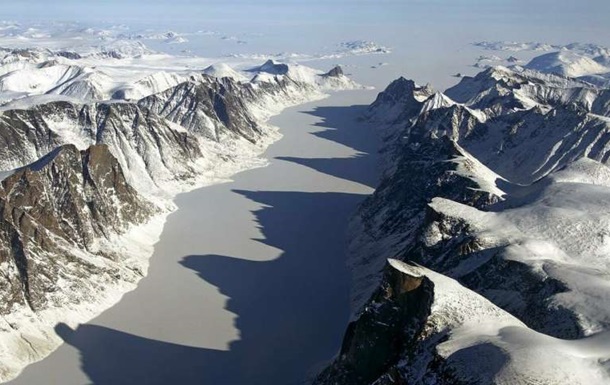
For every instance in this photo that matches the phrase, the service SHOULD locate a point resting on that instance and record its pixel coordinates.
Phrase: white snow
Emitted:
(222, 70)
(6, 174)
(488, 345)
(149, 85)
(589, 61)
(567, 63)
(561, 232)
(582, 48)
(38, 80)
(438, 100)
(472, 168)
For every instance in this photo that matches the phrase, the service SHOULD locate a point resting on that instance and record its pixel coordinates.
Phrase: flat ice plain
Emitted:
(248, 283)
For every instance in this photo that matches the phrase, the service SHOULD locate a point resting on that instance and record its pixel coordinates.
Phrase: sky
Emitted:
(423, 34)
(585, 14)
(558, 20)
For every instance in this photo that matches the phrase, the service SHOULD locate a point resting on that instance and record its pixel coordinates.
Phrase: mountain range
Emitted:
(482, 256)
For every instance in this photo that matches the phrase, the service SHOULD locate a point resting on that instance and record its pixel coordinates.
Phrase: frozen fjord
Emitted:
(248, 283)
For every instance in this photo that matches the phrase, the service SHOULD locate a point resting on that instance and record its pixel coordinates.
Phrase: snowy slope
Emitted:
(487, 345)
(567, 63)
(40, 80)
(148, 85)
(222, 70)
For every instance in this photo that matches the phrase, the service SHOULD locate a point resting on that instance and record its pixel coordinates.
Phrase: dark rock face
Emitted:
(424, 173)
(374, 343)
(213, 108)
(392, 217)
(336, 72)
(400, 102)
(25, 136)
(60, 204)
(127, 129)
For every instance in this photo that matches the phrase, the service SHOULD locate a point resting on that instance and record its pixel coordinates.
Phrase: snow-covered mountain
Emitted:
(93, 151)
(75, 236)
(494, 212)
(567, 63)
(221, 70)
(588, 62)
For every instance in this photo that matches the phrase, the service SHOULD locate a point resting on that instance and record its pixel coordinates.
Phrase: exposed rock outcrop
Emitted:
(53, 211)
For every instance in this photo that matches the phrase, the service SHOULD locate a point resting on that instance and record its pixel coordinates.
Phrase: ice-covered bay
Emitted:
(248, 284)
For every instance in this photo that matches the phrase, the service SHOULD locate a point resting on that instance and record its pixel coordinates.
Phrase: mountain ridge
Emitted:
(494, 195)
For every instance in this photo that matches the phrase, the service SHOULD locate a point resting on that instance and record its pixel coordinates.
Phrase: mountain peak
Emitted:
(402, 96)
(274, 68)
(335, 72)
(567, 63)
(223, 70)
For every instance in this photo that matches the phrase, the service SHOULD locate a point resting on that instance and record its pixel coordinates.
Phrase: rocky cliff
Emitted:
(69, 200)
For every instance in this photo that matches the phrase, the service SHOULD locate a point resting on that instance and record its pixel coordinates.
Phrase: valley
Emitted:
(320, 193)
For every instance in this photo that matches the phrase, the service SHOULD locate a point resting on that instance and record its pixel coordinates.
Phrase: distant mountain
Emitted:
(493, 213)
(588, 62)
(221, 70)
(567, 63)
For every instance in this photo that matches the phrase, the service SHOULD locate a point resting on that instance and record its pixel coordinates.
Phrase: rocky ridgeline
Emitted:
(162, 141)
(474, 179)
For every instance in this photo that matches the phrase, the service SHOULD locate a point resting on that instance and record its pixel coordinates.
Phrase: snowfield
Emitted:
(588, 62)
(488, 345)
